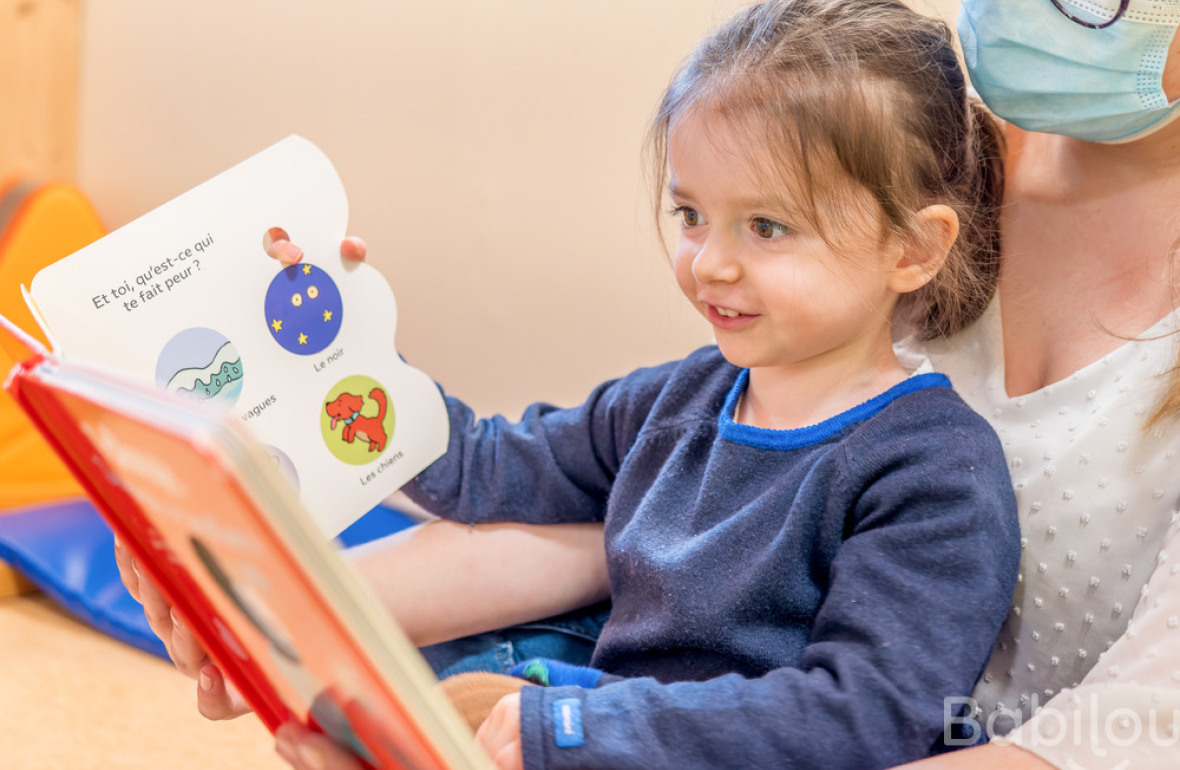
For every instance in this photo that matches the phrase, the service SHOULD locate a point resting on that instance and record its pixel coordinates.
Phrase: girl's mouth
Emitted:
(728, 318)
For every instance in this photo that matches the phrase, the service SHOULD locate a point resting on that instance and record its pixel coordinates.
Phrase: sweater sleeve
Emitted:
(1126, 711)
(916, 595)
(552, 466)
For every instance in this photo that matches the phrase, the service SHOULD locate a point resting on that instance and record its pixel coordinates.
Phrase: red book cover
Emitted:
(203, 508)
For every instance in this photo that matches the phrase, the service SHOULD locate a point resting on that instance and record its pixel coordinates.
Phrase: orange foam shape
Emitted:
(38, 226)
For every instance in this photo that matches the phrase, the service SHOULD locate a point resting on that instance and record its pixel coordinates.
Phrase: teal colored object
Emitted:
(547, 672)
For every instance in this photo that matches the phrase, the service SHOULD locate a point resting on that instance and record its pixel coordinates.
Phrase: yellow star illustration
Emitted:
(307, 269)
(327, 316)
(302, 338)
(277, 325)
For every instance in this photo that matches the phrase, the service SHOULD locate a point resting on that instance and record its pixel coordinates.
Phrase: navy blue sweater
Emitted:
(781, 599)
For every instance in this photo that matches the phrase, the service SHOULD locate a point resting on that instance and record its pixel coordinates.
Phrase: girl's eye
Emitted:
(768, 228)
(688, 217)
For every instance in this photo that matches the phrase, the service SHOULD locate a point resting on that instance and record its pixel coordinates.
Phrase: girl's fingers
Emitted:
(271, 236)
(216, 697)
(127, 574)
(307, 750)
(278, 246)
(353, 248)
(187, 653)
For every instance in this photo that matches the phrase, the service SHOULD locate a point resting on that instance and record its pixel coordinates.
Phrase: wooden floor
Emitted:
(74, 699)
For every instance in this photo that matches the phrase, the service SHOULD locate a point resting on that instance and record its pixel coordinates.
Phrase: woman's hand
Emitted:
(499, 735)
(278, 246)
(216, 697)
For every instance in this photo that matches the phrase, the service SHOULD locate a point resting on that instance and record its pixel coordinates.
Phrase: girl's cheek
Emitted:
(682, 268)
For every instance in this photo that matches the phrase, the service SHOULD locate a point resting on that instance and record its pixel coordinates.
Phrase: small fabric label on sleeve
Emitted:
(567, 723)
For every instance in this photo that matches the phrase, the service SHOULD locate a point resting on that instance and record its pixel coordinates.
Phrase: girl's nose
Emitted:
(716, 263)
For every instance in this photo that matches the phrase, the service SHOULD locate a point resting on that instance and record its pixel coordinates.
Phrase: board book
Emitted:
(228, 416)
(216, 525)
(184, 298)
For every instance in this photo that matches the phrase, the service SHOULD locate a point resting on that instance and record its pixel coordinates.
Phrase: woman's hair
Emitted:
(871, 89)
(1167, 406)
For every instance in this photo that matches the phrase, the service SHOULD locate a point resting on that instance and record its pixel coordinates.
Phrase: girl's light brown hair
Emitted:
(874, 90)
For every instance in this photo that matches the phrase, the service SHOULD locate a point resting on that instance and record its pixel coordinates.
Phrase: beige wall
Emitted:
(38, 89)
(491, 152)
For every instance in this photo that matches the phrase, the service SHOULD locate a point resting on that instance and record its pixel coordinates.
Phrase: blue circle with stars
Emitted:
(303, 309)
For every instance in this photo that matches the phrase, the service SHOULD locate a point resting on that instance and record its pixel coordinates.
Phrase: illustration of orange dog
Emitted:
(347, 409)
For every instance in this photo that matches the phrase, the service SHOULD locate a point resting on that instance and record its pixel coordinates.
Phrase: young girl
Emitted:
(811, 542)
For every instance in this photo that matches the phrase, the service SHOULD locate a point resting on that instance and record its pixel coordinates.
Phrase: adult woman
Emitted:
(1087, 293)
(1083, 326)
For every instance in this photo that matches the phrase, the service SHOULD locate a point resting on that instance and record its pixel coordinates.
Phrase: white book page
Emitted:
(185, 298)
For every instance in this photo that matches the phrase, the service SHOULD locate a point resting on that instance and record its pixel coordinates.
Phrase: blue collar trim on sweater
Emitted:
(797, 438)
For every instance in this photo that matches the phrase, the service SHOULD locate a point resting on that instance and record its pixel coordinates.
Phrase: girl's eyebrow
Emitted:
(765, 203)
(751, 202)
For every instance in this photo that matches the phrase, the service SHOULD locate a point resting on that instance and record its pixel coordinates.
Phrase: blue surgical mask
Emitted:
(1043, 72)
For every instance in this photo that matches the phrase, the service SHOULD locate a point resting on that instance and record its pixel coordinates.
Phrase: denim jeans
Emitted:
(569, 638)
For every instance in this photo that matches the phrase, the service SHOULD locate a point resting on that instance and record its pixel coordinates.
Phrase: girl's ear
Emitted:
(920, 257)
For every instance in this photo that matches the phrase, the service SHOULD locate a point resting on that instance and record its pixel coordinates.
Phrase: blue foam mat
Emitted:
(68, 551)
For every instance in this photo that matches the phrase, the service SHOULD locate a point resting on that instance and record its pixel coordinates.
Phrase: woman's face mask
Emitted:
(1044, 72)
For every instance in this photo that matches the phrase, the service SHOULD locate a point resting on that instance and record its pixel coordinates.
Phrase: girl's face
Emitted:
(776, 292)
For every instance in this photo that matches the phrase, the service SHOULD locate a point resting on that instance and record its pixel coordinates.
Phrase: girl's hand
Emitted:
(278, 246)
(499, 735)
(305, 749)
(216, 697)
